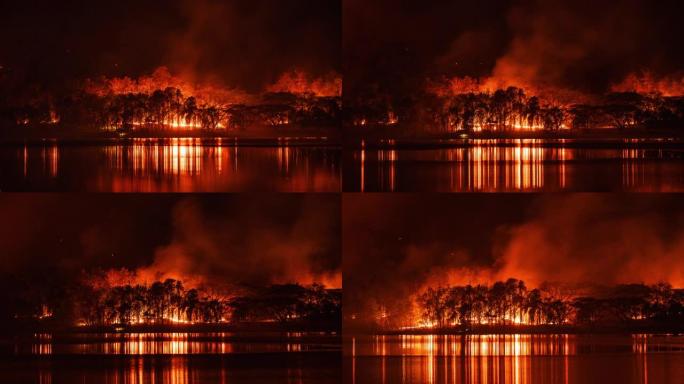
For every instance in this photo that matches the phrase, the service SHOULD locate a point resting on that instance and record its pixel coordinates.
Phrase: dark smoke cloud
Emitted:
(218, 240)
(251, 43)
(249, 248)
(584, 46)
(588, 45)
(237, 44)
(576, 242)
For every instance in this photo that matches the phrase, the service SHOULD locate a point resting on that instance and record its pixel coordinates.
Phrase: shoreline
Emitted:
(525, 330)
(198, 328)
(246, 329)
(218, 141)
(645, 143)
(355, 139)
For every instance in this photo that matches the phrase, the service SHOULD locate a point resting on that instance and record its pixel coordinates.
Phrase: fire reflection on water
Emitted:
(468, 345)
(516, 165)
(179, 164)
(155, 344)
(48, 160)
(185, 157)
(159, 357)
(177, 370)
(489, 358)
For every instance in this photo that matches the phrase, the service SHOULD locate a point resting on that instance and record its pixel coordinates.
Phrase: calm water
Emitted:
(518, 166)
(169, 165)
(177, 358)
(514, 359)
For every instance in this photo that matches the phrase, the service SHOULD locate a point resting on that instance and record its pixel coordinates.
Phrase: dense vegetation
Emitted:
(511, 109)
(169, 302)
(169, 108)
(510, 302)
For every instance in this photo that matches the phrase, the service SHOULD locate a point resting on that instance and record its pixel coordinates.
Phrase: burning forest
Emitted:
(163, 103)
(513, 67)
(510, 302)
(513, 263)
(200, 266)
(169, 302)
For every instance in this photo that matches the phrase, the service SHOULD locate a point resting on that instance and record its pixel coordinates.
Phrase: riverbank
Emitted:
(304, 141)
(357, 139)
(246, 327)
(676, 329)
(92, 134)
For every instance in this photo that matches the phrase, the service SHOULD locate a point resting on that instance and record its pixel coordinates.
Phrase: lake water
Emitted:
(514, 359)
(518, 166)
(177, 358)
(170, 165)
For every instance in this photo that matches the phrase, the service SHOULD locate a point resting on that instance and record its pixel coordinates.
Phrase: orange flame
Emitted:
(161, 79)
(298, 82)
(646, 82)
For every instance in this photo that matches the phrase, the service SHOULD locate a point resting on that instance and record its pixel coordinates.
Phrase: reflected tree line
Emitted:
(511, 109)
(169, 108)
(511, 302)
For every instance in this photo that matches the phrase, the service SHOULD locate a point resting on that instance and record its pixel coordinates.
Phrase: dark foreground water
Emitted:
(177, 358)
(170, 165)
(518, 166)
(515, 359)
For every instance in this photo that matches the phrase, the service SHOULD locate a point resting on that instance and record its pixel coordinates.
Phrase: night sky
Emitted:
(394, 245)
(243, 44)
(392, 46)
(234, 239)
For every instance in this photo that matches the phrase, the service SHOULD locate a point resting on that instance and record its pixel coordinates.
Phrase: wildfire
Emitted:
(298, 82)
(647, 83)
(162, 79)
(510, 303)
(142, 276)
(164, 102)
(123, 297)
(52, 119)
(45, 312)
(392, 118)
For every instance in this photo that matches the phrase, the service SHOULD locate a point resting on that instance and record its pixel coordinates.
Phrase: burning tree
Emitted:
(510, 302)
(162, 302)
(470, 106)
(163, 102)
(170, 302)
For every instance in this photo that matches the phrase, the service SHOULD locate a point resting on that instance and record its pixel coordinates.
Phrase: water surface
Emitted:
(171, 358)
(514, 359)
(170, 165)
(532, 165)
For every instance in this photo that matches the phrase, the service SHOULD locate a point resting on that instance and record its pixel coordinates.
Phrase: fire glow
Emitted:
(510, 303)
(162, 101)
(114, 299)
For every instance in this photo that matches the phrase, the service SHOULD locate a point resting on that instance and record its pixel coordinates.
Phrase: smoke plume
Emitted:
(244, 250)
(577, 243)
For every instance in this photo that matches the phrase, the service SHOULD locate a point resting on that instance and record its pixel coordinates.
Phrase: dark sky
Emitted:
(256, 239)
(585, 45)
(394, 245)
(245, 44)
